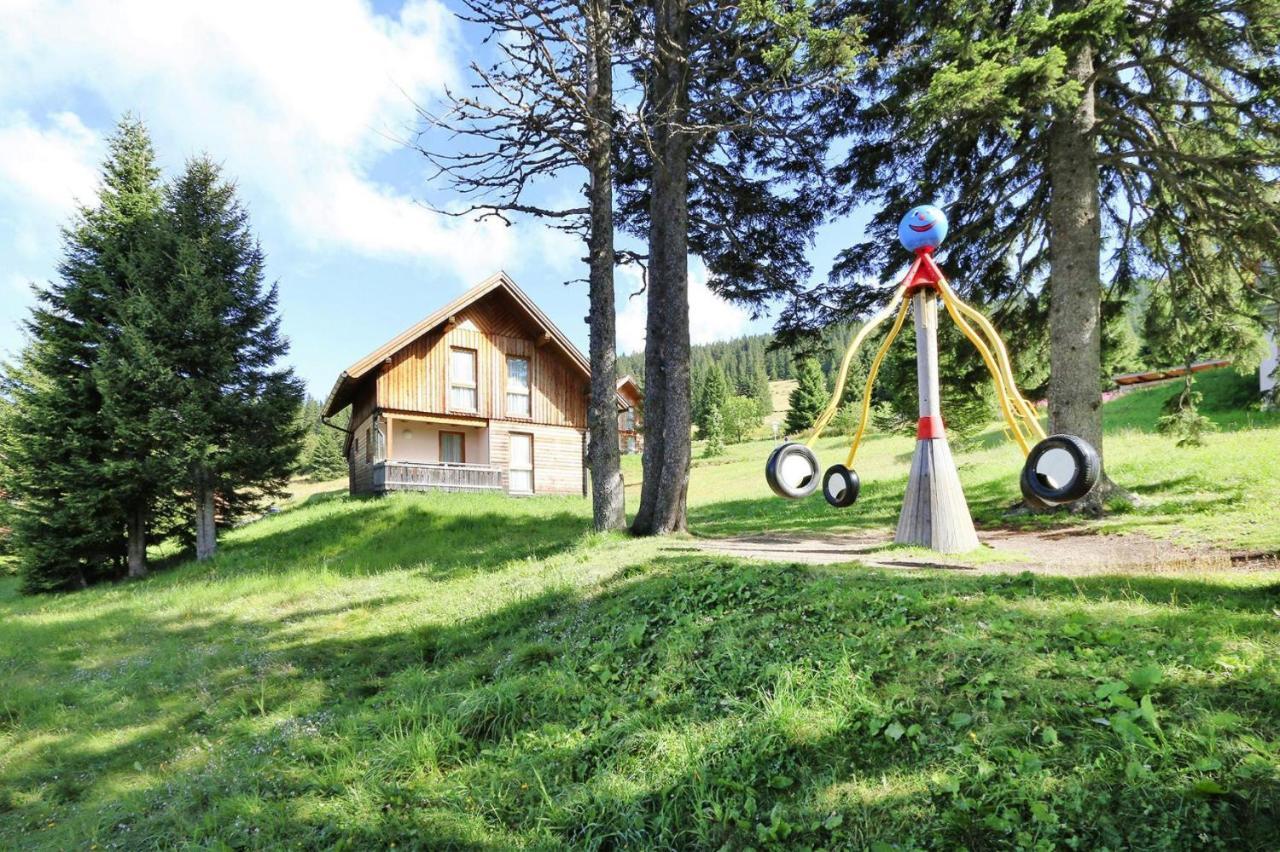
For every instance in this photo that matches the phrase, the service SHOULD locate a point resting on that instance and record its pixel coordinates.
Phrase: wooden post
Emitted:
(934, 511)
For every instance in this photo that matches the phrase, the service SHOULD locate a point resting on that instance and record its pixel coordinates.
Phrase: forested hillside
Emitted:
(740, 357)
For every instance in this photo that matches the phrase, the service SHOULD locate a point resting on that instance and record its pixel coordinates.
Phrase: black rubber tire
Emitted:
(848, 485)
(1030, 497)
(1088, 468)
(773, 468)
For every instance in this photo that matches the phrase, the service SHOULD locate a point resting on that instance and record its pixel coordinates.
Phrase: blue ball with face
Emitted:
(924, 227)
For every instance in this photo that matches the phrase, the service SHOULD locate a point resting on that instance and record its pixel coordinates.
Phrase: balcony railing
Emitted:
(435, 476)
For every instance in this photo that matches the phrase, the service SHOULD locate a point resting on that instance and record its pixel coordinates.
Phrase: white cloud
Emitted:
(44, 170)
(711, 318)
(51, 167)
(299, 100)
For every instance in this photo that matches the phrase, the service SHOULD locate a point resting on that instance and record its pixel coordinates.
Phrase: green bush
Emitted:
(740, 417)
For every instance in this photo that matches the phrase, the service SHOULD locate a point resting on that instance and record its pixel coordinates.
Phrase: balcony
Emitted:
(435, 476)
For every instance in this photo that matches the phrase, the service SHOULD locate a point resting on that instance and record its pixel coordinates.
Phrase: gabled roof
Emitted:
(628, 381)
(340, 396)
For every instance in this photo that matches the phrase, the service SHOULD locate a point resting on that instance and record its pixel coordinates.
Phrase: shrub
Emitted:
(740, 416)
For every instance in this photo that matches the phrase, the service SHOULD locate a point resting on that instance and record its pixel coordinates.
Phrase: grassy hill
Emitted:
(780, 396)
(440, 671)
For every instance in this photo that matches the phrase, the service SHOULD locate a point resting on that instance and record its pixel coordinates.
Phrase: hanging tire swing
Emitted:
(840, 486)
(792, 471)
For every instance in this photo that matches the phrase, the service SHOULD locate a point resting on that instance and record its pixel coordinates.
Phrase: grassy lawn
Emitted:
(461, 671)
(1224, 493)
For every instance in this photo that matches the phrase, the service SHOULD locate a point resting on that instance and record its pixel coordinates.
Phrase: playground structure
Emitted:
(1058, 469)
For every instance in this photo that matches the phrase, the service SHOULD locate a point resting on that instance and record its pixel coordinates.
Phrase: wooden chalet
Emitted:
(630, 398)
(485, 394)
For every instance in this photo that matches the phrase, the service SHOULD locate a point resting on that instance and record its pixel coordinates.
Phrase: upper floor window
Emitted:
(518, 387)
(627, 420)
(463, 392)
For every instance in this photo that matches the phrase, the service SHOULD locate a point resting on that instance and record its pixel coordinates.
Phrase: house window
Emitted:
(629, 420)
(453, 447)
(520, 472)
(518, 387)
(631, 443)
(463, 394)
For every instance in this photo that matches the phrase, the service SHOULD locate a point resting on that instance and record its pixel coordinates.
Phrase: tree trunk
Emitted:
(206, 529)
(667, 387)
(607, 494)
(1075, 297)
(137, 546)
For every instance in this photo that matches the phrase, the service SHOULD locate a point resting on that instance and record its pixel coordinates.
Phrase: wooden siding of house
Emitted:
(360, 461)
(557, 455)
(417, 379)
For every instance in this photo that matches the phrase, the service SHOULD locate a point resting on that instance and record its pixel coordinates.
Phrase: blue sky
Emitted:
(304, 104)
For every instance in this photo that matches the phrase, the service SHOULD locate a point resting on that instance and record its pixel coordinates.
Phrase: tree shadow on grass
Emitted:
(695, 702)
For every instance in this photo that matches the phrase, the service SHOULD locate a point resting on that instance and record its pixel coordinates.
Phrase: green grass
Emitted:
(442, 671)
(1228, 401)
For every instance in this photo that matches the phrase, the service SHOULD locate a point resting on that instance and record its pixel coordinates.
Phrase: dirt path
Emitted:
(1071, 551)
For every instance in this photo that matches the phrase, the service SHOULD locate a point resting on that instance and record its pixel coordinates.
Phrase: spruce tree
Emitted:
(713, 434)
(754, 384)
(237, 406)
(713, 391)
(138, 388)
(322, 457)
(808, 399)
(71, 512)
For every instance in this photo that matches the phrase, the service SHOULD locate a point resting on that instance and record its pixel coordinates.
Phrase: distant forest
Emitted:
(742, 356)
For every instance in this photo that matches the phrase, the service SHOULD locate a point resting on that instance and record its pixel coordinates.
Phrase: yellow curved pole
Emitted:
(871, 380)
(877, 318)
(1007, 408)
(1025, 409)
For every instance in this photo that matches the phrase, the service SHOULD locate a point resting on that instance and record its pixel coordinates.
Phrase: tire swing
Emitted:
(792, 471)
(1058, 469)
(841, 486)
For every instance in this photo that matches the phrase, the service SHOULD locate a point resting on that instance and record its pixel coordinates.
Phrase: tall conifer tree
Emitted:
(237, 408)
(724, 133)
(70, 518)
(808, 398)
